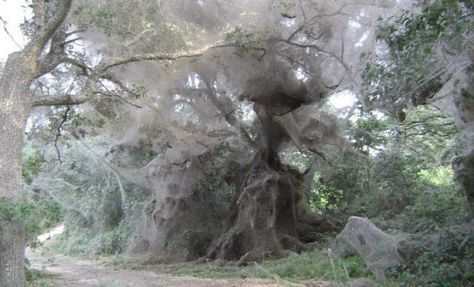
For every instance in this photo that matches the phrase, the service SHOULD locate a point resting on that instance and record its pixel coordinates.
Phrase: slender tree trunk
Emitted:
(14, 112)
(463, 167)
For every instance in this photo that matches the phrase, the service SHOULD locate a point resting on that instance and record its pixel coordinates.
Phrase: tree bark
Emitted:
(14, 112)
(463, 167)
(12, 254)
(266, 216)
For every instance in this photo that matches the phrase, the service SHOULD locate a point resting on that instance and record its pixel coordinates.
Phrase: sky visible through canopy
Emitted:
(12, 13)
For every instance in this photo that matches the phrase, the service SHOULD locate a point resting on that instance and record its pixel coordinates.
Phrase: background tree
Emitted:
(428, 61)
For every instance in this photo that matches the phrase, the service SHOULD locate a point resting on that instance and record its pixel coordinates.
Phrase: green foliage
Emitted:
(414, 69)
(37, 216)
(443, 259)
(75, 241)
(33, 275)
(86, 241)
(400, 167)
(390, 166)
(440, 176)
(31, 163)
(217, 167)
(325, 196)
(192, 242)
(207, 215)
(369, 133)
(239, 35)
(105, 17)
(433, 209)
(138, 91)
(13, 211)
(97, 206)
(114, 241)
(316, 264)
(410, 31)
(403, 181)
(136, 24)
(48, 212)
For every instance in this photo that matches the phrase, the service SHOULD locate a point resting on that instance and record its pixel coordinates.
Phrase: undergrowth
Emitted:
(37, 278)
(311, 265)
(86, 241)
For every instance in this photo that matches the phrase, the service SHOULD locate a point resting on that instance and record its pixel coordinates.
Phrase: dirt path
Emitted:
(66, 271)
(72, 272)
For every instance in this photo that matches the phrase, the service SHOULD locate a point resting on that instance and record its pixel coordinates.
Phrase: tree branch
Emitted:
(226, 112)
(40, 11)
(160, 56)
(45, 34)
(62, 100)
(81, 65)
(121, 85)
(75, 32)
(58, 132)
(319, 49)
(8, 32)
(113, 94)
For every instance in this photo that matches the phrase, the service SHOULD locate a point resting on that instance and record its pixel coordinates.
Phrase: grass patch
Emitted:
(316, 264)
(126, 262)
(305, 267)
(213, 269)
(37, 278)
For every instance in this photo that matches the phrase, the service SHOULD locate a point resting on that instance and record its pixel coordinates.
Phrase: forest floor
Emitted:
(65, 271)
(71, 272)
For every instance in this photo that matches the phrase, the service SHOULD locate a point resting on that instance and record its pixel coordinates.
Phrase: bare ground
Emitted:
(72, 272)
(66, 271)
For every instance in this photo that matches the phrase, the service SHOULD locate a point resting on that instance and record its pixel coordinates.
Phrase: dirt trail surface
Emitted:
(72, 272)
(66, 271)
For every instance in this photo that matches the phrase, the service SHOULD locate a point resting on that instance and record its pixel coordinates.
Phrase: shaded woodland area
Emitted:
(296, 140)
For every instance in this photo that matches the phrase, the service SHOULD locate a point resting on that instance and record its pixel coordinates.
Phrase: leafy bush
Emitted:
(441, 259)
(112, 242)
(315, 264)
(32, 160)
(33, 275)
(434, 209)
(37, 215)
(296, 267)
(86, 241)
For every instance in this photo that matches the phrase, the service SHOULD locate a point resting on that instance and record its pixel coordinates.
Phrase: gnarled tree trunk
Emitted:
(268, 220)
(265, 218)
